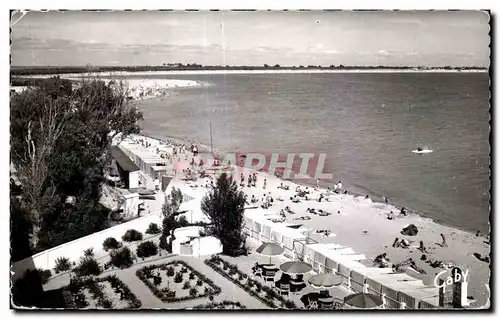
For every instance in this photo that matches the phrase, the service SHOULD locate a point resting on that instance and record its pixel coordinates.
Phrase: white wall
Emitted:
(131, 206)
(205, 246)
(133, 179)
(74, 249)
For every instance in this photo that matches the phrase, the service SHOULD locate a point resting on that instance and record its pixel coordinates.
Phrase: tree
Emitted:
(60, 145)
(224, 205)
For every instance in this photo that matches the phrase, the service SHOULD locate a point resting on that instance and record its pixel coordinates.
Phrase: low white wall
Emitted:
(205, 246)
(74, 249)
(131, 206)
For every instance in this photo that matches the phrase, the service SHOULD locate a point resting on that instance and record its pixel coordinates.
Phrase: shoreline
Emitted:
(362, 225)
(302, 182)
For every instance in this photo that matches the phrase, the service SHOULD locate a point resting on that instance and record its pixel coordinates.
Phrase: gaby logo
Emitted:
(456, 276)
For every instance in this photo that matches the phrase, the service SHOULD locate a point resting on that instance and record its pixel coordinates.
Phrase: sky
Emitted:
(403, 38)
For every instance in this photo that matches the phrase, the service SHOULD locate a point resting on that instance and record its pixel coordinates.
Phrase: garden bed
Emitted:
(264, 293)
(176, 281)
(223, 305)
(105, 293)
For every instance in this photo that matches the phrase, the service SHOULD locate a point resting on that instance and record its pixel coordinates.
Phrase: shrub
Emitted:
(88, 266)
(224, 265)
(122, 258)
(184, 270)
(62, 264)
(89, 252)
(199, 282)
(211, 298)
(182, 221)
(290, 304)
(157, 280)
(132, 235)
(153, 229)
(163, 242)
(170, 271)
(178, 278)
(191, 276)
(232, 271)
(187, 285)
(147, 249)
(240, 276)
(193, 292)
(250, 283)
(45, 275)
(110, 243)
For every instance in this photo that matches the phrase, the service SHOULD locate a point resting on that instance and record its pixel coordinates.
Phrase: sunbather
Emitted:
(422, 247)
(303, 218)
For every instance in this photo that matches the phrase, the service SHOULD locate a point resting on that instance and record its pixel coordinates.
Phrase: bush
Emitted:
(110, 243)
(184, 270)
(122, 258)
(157, 280)
(147, 249)
(62, 264)
(170, 271)
(88, 266)
(89, 252)
(45, 275)
(187, 285)
(199, 282)
(153, 229)
(182, 221)
(163, 242)
(178, 278)
(132, 235)
(191, 276)
(290, 304)
(193, 292)
(232, 271)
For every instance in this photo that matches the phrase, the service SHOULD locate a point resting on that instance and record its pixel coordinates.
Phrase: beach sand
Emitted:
(363, 226)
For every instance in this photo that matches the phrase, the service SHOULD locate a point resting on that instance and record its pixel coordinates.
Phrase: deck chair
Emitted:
(257, 272)
(313, 305)
(269, 276)
(283, 289)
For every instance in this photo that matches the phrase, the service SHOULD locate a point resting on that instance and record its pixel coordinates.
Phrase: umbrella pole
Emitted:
(269, 259)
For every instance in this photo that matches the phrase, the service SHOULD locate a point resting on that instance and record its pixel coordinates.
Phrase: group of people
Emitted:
(252, 180)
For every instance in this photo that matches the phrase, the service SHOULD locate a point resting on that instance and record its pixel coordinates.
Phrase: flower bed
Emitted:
(107, 292)
(264, 293)
(226, 304)
(176, 281)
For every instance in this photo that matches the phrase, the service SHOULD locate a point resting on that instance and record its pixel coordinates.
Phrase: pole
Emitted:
(211, 143)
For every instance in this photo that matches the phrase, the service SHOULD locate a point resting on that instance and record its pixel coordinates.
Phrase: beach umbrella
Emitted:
(325, 281)
(270, 249)
(363, 301)
(295, 267)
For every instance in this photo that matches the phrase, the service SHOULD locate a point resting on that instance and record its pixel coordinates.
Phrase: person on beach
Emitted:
(265, 182)
(403, 211)
(320, 197)
(367, 197)
(396, 243)
(422, 247)
(404, 243)
(254, 180)
(249, 180)
(386, 200)
(443, 243)
(390, 216)
(339, 186)
(242, 180)
(317, 183)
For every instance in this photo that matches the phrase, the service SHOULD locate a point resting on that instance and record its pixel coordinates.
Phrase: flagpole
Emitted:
(211, 143)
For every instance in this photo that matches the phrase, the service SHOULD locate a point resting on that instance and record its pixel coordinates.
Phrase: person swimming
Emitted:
(420, 149)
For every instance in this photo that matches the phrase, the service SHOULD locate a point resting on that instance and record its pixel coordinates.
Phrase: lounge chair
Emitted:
(313, 304)
(283, 289)
(269, 276)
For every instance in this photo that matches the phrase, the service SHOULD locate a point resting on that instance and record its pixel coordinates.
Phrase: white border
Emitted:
(185, 4)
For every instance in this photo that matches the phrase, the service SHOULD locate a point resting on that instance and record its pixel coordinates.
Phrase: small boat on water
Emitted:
(422, 150)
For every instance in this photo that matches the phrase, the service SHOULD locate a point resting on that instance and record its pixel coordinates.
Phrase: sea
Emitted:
(367, 124)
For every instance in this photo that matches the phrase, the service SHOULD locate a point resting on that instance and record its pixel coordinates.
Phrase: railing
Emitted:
(347, 282)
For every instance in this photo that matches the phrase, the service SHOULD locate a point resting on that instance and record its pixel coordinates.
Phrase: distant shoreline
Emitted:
(47, 71)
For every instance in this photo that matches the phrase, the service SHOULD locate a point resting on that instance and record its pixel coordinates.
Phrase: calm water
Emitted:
(367, 124)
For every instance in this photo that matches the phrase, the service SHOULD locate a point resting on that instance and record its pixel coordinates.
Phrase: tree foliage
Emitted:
(61, 133)
(224, 205)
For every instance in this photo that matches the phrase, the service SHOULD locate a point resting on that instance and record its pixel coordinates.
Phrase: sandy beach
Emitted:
(363, 225)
